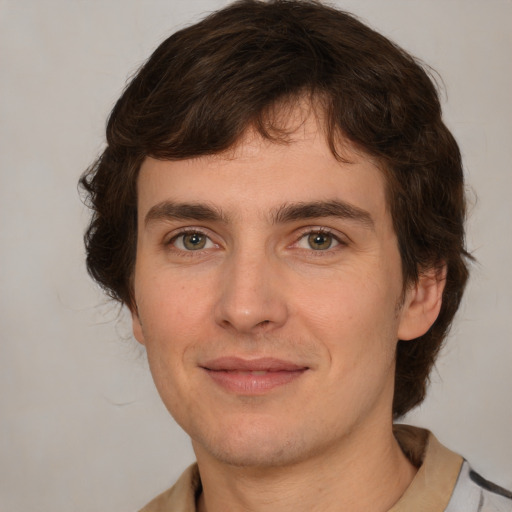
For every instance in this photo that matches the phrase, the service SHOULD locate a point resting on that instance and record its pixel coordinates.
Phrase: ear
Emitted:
(422, 304)
(137, 325)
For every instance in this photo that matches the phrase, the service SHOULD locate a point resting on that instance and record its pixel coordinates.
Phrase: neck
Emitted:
(366, 472)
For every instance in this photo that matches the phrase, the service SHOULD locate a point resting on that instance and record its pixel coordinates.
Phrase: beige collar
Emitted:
(432, 487)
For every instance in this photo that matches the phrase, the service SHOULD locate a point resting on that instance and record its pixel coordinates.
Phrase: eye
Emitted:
(318, 241)
(192, 241)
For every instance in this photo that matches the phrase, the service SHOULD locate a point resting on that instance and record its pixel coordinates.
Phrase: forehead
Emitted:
(257, 175)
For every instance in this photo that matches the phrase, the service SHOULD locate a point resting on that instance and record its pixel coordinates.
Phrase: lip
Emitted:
(252, 376)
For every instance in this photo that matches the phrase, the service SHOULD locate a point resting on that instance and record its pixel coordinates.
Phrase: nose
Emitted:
(252, 295)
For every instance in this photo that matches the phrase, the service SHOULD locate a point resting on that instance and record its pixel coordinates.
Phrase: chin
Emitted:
(256, 455)
(254, 447)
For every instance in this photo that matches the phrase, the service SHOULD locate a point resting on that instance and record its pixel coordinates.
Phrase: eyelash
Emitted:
(308, 231)
(188, 231)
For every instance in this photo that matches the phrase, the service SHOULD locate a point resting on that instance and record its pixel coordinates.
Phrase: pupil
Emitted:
(320, 241)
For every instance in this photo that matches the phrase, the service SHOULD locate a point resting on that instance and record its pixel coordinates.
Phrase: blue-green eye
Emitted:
(193, 241)
(318, 241)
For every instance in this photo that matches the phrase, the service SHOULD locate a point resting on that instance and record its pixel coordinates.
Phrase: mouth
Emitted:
(252, 376)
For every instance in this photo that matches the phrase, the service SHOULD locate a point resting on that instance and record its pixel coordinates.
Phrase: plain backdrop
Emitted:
(81, 426)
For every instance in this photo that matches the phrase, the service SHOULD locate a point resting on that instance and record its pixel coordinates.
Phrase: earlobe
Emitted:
(137, 325)
(422, 304)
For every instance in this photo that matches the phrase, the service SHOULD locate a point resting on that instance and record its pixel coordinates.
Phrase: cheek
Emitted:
(354, 319)
(172, 319)
(170, 306)
(348, 301)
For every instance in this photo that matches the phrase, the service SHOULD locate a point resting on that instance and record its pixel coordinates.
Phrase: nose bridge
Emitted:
(250, 297)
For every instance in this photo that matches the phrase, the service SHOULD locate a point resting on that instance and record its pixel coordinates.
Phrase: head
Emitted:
(240, 71)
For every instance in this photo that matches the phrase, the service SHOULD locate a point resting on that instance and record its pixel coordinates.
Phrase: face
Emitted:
(267, 288)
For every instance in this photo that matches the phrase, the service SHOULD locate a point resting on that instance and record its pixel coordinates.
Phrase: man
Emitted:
(282, 210)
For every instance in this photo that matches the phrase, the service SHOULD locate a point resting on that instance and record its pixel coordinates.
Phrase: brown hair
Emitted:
(205, 85)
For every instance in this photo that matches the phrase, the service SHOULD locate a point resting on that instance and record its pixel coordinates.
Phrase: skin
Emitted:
(260, 286)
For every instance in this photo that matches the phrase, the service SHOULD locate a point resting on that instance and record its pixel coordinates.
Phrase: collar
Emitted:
(439, 468)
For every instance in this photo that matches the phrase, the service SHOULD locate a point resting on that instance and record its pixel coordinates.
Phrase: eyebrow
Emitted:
(169, 210)
(288, 212)
(320, 209)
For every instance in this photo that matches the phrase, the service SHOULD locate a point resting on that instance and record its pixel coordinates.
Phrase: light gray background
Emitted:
(81, 427)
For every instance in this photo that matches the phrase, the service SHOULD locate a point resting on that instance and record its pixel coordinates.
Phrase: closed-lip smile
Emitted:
(252, 376)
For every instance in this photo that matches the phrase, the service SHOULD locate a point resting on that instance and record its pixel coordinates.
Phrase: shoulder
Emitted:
(473, 493)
